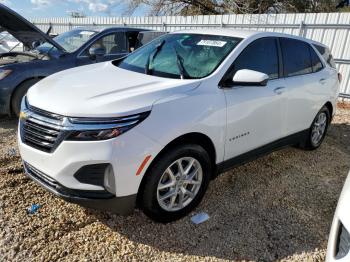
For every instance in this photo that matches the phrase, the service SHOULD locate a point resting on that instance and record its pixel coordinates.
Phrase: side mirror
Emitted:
(248, 77)
(35, 44)
(96, 52)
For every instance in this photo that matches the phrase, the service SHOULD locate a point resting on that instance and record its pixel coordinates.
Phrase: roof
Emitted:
(221, 31)
(242, 33)
(104, 28)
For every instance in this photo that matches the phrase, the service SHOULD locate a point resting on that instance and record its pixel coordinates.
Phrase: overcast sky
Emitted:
(59, 8)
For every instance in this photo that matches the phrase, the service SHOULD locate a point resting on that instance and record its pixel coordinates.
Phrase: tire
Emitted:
(310, 143)
(159, 175)
(19, 93)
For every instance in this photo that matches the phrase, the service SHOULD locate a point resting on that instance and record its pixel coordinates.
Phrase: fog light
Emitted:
(109, 181)
(343, 242)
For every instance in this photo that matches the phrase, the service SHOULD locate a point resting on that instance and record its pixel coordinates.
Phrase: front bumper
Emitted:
(98, 199)
(102, 174)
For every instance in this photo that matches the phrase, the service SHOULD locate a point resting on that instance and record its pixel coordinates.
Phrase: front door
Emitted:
(255, 114)
(115, 46)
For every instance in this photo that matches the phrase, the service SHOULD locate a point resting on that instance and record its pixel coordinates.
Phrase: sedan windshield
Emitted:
(181, 55)
(70, 41)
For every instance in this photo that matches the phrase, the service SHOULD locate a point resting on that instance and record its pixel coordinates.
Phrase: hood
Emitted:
(21, 29)
(103, 90)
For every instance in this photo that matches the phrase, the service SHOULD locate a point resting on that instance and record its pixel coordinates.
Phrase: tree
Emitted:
(214, 7)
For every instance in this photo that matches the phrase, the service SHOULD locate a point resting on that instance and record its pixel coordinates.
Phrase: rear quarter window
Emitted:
(326, 53)
(315, 60)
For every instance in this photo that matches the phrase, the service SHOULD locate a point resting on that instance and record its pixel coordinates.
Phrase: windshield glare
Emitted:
(71, 40)
(195, 54)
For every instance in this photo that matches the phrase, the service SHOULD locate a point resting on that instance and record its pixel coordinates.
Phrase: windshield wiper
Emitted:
(153, 55)
(180, 65)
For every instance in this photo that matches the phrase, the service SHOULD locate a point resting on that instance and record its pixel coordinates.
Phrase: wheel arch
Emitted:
(189, 138)
(330, 107)
(16, 89)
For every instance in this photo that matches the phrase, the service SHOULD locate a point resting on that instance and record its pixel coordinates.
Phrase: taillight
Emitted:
(340, 77)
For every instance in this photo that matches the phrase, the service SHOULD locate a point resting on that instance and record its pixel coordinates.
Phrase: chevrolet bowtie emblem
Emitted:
(22, 115)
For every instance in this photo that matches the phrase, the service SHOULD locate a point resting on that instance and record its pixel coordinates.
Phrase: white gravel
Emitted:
(279, 207)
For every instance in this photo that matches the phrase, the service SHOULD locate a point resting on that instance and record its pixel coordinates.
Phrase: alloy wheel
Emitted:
(319, 128)
(179, 184)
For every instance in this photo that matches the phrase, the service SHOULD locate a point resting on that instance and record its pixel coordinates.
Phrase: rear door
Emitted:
(255, 113)
(306, 84)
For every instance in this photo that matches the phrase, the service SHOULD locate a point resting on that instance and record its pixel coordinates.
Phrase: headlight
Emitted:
(92, 129)
(4, 73)
(94, 134)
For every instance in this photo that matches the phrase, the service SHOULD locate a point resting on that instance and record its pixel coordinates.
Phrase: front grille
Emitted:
(42, 130)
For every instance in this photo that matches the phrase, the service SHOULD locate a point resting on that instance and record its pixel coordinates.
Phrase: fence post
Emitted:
(301, 28)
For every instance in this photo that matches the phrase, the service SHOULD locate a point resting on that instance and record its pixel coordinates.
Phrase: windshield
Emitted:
(70, 41)
(181, 55)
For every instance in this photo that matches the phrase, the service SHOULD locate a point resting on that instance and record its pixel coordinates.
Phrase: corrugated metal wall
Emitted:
(331, 29)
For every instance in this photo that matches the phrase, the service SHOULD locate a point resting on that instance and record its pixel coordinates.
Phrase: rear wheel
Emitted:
(318, 130)
(176, 183)
(20, 92)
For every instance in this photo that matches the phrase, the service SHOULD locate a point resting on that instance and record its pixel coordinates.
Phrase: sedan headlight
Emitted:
(4, 73)
(92, 129)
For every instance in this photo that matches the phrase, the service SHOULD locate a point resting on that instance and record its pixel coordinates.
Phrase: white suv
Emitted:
(153, 128)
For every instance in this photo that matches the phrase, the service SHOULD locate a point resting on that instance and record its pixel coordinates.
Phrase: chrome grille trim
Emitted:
(44, 112)
(119, 120)
(45, 131)
(41, 129)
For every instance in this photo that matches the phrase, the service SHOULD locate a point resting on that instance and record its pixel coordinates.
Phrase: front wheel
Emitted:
(318, 130)
(20, 92)
(176, 183)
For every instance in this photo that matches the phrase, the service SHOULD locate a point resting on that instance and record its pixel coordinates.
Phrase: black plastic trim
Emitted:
(91, 174)
(343, 243)
(101, 199)
(262, 83)
(261, 151)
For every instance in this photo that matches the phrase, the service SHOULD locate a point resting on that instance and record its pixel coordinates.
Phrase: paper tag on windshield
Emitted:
(216, 43)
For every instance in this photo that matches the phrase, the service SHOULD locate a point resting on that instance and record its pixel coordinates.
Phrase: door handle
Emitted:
(279, 90)
(323, 81)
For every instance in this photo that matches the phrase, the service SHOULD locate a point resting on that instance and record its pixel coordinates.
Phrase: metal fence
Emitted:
(332, 29)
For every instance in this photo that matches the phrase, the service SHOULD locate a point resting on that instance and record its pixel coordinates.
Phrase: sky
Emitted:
(61, 8)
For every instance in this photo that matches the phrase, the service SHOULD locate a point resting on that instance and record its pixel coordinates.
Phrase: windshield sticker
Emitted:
(216, 43)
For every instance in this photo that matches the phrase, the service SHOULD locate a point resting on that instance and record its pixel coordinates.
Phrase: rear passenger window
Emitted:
(261, 55)
(315, 61)
(296, 57)
(324, 51)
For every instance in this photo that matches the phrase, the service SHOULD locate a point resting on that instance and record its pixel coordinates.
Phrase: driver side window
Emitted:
(113, 44)
(261, 55)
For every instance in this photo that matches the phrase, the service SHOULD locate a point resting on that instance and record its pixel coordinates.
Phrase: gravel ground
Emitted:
(279, 207)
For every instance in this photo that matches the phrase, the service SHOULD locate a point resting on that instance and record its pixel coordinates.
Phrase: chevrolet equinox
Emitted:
(152, 129)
